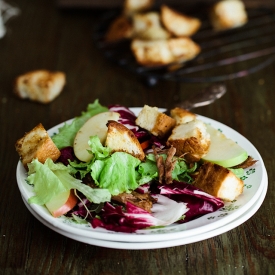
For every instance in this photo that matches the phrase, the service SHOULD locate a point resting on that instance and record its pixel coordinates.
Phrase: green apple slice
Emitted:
(95, 126)
(62, 203)
(224, 151)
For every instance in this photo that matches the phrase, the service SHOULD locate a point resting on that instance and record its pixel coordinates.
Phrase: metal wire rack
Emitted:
(253, 43)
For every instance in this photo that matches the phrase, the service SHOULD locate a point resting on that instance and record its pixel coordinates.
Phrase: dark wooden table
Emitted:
(44, 37)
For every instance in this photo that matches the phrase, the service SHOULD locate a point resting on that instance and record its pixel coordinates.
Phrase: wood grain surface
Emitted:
(45, 37)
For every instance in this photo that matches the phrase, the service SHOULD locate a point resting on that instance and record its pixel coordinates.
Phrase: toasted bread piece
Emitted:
(36, 144)
(121, 139)
(219, 182)
(120, 28)
(191, 140)
(177, 23)
(163, 52)
(154, 121)
(147, 26)
(182, 116)
(41, 85)
(133, 6)
(228, 14)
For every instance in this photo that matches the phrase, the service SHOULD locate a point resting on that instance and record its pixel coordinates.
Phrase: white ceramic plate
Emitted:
(161, 244)
(255, 180)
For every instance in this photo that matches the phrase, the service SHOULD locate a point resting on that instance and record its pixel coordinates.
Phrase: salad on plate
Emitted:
(112, 169)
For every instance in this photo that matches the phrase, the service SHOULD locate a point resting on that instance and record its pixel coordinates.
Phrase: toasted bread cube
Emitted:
(191, 140)
(121, 139)
(228, 14)
(147, 26)
(154, 121)
(151, 53)
(183, 49)
(133, 6)
(41, 85)
(163, 52)
(177, 23)
(218, 181)
(182, 116)
(36, 144)
(120, 28)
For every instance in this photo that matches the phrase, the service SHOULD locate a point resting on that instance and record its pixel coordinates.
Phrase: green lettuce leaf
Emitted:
(116, 173)
(97, 149)
(50, 179)
(147, 171)
(66, 133)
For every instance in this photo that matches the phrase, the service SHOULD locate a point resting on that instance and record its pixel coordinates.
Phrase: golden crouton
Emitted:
(177, 23)
(228, 14)
(154, 121)
(191, 140)
(147, 26)
(41, 85)
(182, 115)
(133, 6)
(163, 52)
(121, 139)
(218, 181)
(36, 144)
(120, 28)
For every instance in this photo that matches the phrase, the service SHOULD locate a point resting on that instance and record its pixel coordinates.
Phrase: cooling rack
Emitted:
(226, 50)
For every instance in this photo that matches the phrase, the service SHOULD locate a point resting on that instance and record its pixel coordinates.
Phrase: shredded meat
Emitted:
(170, 164)
(144, 201)
(247, 163)
(88, 180)
(165, 168)
(161, 168)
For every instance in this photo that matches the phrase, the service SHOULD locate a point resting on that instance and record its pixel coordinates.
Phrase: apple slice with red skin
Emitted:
(62, 203)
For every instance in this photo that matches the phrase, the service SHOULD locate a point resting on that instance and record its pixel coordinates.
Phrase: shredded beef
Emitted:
(165, 168)
(88, 180)
(144, 201)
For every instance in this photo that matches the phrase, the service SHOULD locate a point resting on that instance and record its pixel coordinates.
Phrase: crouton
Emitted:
(147, 26)
(181, 115)
(120, 28)
(42, 86)
(154, 121)
(36, 144)
(179, 24)
(121, 139)
(228, 14)
(163, 52)
(219, 182)
(133, 6)
(191, 140)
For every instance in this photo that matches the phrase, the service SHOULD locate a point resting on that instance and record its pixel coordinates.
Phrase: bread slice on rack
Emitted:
(218, 181)
(148, 26)
(121, 139)
(154, 121)
(163, 52)
(191, 140)
(134, 6)
(228, 14)
(119, 29)
(36, 144)
(41, 85)
(177, 23)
